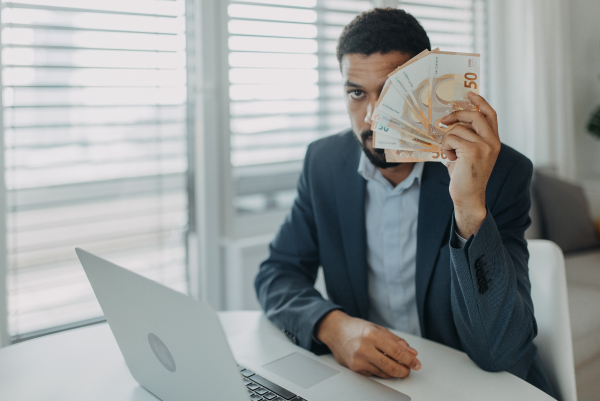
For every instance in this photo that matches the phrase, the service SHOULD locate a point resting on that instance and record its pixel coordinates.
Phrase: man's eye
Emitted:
(356, 94)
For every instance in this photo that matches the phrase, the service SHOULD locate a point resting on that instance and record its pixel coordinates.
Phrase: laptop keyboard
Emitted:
(261, 389)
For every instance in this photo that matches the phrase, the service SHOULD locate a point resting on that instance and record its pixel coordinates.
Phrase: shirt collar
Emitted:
(370, 172)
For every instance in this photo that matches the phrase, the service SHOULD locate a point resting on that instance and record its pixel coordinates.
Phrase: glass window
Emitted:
(94, 99)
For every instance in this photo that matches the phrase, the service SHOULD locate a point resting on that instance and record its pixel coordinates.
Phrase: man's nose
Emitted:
(370, 108)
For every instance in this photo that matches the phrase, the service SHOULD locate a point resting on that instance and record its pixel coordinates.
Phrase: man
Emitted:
(418, 247)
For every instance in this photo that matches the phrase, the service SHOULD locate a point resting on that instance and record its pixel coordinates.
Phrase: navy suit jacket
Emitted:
(494, 325)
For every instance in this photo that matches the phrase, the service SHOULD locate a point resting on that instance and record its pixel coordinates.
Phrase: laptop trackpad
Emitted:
(301, 370)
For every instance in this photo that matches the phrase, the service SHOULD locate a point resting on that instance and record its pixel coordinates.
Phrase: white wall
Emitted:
(531, 80)
(585, 51)
(242, 260)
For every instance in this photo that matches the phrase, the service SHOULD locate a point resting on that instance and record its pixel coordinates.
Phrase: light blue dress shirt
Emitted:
(391, 215)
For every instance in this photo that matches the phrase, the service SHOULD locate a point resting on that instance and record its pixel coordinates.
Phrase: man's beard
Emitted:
(375, 156)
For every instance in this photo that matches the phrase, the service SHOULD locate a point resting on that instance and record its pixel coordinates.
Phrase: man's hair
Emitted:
(382, 30)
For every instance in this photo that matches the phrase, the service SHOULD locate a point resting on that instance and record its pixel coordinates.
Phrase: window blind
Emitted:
(286, 89)
(94, 102)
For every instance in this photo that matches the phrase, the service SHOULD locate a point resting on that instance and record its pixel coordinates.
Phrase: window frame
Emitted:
(210, 168)
(4, 337)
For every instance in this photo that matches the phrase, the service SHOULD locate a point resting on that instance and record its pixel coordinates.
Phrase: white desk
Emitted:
(86, 364)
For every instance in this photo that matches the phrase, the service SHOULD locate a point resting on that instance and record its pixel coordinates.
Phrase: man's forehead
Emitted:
(372, 66)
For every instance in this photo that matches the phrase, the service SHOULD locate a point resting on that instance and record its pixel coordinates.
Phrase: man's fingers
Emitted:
(465, 133)
(402, 340)
(473, 119)
(409, 348)
(485, 117)
(486, 110)
(384, 354)
(451, 155)
(484, 107)
(463, 116)
(452, 142)
(368, 369)
(459, 142)
(378, 372)
(397, 350)
(390, 366)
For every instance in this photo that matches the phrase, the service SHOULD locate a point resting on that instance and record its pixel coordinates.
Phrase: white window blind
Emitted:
(285, 85)
(285, 91)
(94, 101)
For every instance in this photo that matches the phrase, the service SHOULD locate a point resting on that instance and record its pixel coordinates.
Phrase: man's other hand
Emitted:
(365, 347)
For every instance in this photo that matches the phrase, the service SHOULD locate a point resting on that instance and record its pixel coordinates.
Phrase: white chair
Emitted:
(551, 308)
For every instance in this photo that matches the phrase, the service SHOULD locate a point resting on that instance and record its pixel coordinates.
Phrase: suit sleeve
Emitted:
(285, 282)
(490, 288)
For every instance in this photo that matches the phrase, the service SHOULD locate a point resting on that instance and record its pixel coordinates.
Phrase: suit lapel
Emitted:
(435, 212)
(350, 198)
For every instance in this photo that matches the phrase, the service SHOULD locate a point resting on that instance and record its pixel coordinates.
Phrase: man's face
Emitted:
(364, 77)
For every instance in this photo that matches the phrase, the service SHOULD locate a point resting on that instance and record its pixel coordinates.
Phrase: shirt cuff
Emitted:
(316, 340)
(458, 242)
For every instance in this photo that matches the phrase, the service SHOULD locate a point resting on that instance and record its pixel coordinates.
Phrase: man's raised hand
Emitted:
(474, 144)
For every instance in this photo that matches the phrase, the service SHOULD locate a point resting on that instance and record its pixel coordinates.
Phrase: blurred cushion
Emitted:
(565, 214)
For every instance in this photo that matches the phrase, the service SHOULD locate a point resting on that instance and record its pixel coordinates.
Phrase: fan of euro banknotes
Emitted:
(415, 97)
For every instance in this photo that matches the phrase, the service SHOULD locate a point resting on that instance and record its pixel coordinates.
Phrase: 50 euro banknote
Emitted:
(412, 80)
(396, 78)
(407, 156)
(399, 129)
(382, 141)
(393, 104)
(452, 76)
(385, 136)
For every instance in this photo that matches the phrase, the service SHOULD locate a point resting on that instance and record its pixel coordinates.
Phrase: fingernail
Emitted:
(417, 365)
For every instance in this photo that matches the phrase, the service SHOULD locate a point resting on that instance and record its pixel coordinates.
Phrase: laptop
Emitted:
(176, 349)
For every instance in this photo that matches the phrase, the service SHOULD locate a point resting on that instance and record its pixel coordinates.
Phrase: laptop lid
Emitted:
(174, 346)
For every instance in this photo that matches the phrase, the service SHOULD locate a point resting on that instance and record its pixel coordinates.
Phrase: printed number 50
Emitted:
(471, 77)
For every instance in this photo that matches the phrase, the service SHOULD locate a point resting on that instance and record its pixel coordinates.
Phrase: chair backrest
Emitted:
(551, 308)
